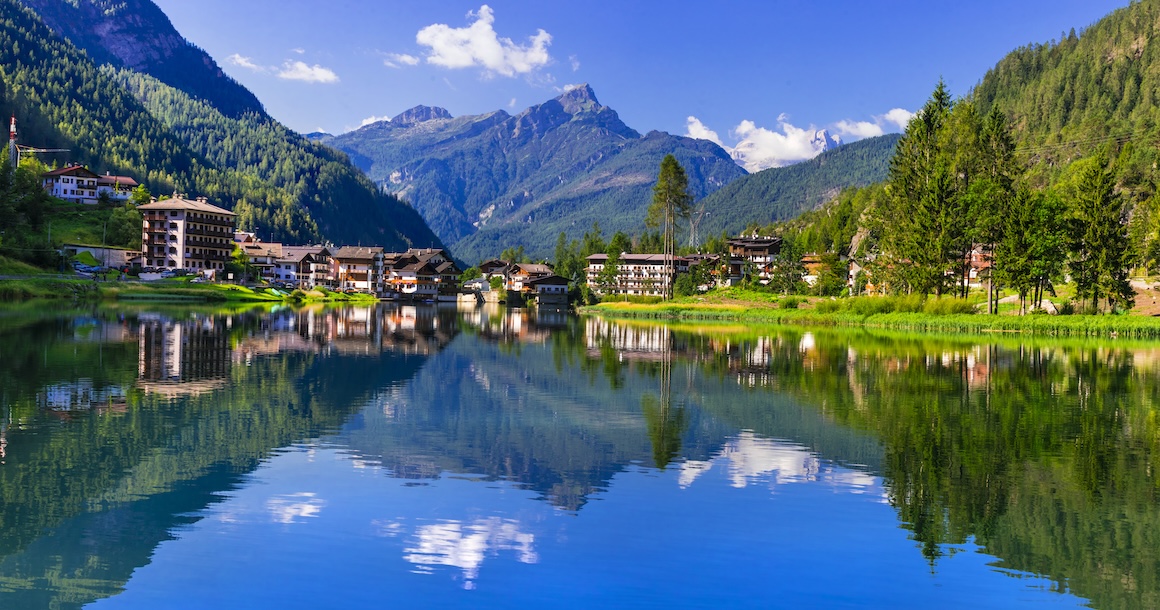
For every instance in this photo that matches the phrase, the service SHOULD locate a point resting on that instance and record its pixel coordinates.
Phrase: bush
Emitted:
(948, 306)
(790, 303)
(1067, 309)
(829, 306)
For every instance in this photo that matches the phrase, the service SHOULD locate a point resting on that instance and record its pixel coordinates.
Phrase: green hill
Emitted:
(113, 117)
(781, 193)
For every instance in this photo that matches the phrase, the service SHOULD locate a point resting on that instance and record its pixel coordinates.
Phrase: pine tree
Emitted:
(671, 203)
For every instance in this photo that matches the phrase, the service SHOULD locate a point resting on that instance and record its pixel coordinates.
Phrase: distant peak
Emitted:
(577, 98)
(420, 114)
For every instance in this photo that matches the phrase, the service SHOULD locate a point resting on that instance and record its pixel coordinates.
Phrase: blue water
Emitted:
(418, 458)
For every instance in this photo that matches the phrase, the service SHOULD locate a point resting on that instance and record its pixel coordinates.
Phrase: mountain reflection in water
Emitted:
(122, 430)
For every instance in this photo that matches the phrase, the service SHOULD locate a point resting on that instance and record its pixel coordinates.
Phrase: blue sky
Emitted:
(761, 75)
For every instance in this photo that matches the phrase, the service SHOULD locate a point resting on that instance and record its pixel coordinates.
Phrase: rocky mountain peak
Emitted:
(420, 114)
(579, 98)
(823, 140)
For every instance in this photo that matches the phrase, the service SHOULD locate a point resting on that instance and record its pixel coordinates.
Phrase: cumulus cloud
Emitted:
(478, 45)
(245, 62)
(859, 129)
(298, 70)
(899, 117)
(760, 148)
(398, 60)
(696, 129)
(757, 148)
(373, 119)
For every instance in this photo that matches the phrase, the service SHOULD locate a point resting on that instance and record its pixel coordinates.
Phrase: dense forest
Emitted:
(122, 121)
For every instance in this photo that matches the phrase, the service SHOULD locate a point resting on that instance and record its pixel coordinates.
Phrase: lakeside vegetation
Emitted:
(909, 313)
(174, 290)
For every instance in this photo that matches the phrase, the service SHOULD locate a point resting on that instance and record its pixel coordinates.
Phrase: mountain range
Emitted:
(490, 181)
(496, 180)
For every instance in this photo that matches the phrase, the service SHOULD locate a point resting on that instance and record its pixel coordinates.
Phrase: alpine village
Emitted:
(531, 355)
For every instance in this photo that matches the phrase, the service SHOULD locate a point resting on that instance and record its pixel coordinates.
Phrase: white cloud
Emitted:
(512, 103)
(245, 62)
(478, 45)
(299, 50)
(373, 119)
(292, 508)
(568, 87)
(859, 129)
(574, 62)
(899, 117)
(398, 60)
(297, 70)
(697, 129)
(759, 148)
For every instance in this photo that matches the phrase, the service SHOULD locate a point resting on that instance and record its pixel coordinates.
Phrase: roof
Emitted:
(124, 181)
(551, 280)
(638, 259)
(533, 268)
(263, 249)
(177, 203)
(357, 253)
(70, 170)
(298, 253)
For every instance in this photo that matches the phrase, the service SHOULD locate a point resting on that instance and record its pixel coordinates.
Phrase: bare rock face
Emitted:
(420, 114)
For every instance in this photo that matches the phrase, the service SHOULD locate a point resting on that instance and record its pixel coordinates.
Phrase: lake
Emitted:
(423, 457)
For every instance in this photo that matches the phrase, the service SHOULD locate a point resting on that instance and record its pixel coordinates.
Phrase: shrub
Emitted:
(1067, 309)
(948, 306)
(829, 306)
(790, 303)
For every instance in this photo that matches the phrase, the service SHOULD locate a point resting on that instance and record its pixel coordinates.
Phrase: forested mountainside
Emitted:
(496, 180)
(1068, 97)
(782, 193)
(117, 119)
(136, 34)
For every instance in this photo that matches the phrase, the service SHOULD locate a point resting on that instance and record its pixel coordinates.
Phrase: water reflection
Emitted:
(1042, 453)
(466, 545)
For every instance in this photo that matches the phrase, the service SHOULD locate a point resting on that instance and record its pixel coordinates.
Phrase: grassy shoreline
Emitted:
(1127, 326)
(163, 291)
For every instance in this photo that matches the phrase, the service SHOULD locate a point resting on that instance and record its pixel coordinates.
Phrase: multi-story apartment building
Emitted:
(637, 274)
(182, 234)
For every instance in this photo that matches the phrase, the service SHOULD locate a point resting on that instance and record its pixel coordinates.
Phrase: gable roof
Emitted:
(357, 253)
(122, 181)
(177, 203)
(70, 170)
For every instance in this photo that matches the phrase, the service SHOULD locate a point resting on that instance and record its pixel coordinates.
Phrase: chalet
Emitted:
(421, 273)
(637, 274)
(493, 268)
(117, 188)
(263, 258)
(760, 251)
(517, 274)
(548, 290)
(179, 233)
(358, 268)
(73, 183)
(304, 266)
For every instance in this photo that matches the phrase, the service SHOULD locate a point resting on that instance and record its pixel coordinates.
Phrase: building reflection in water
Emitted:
(182, 357)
